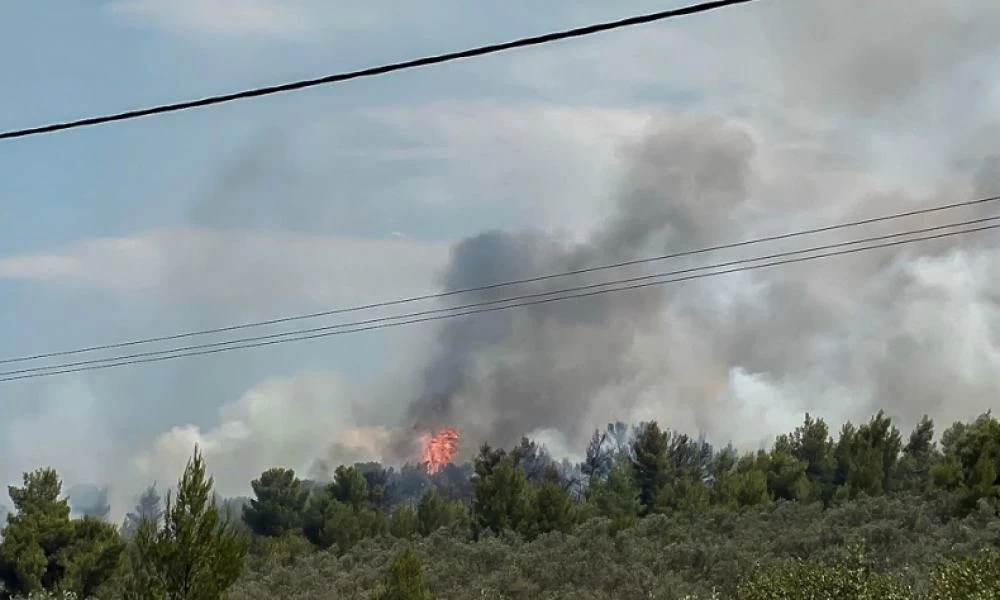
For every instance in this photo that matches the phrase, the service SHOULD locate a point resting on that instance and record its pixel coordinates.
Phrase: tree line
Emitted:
(195, 546)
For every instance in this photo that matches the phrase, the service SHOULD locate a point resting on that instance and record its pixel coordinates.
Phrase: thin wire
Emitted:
(484, 307)
(493, 286)
(500, 300)
(379, 70)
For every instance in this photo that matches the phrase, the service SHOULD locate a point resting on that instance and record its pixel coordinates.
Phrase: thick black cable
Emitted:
(380, 70)
(485, 307)
(446, 294)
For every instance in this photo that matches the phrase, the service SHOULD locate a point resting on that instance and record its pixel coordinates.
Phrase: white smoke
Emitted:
(820, 112)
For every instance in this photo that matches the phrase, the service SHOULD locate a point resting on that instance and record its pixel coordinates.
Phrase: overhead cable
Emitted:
(503, 284)
(504, 304)
(373, 71)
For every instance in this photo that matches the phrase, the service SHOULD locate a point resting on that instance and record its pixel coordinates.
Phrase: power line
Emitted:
(504, 300)
(379, 70)
(485, 307)
(493, 286)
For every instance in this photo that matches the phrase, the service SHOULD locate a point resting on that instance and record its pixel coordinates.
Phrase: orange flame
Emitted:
(439, 449)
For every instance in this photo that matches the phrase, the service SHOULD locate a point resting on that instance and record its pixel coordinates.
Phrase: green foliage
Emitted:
(971, 462)
(973, 578)
(812, 445)
(403, 523)
(970, 578)
(405, 579)
(349, 487)
(751, 485)
(92, 557)
(43, 550)
(279, 505)
(35, 535)
(649, 467)
(786, 475)
(688, 464)
(616, 498)
(658, 515)
(549, 509)
(340, 515)
(665, 516)
(499, 500)
(801, 580)
(919, 456)
(379, 484)
(196, 555)
(269, 551)
(662, 556)
(434, 512)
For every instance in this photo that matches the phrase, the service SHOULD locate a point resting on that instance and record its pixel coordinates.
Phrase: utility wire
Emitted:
(502, 300)
(490, 306)
(379, 70)
(493, 286)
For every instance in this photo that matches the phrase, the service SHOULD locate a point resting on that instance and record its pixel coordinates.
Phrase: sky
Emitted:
(363, 191)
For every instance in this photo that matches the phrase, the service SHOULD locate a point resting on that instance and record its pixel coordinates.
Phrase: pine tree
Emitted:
(786, 475)
(811, 444)
(873, 452)
(36, 531)
(550, 509)
(43, 549)
(341, 514)
(649, 465)
(279, 504)
(149, 506)
(534, 459)
(499, 486)
(196, 555)
(381, 488)
(432, 512)
(598, 459)
(92, 558)
(349, 486)
(971, 464)
(617, 497)
(919, 455)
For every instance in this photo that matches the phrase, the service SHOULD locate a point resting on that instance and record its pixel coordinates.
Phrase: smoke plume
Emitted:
(796, 114)
(912, 330)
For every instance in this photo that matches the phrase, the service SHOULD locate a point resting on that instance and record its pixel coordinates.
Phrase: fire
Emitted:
(439, 448)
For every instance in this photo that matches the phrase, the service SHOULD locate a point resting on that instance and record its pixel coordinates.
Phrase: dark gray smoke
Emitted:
(913, 330)
(852, 325)
(501, 375)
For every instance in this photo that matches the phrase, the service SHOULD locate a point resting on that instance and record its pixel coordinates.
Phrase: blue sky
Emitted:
(165, 172)
(318, 163)
(292, 203)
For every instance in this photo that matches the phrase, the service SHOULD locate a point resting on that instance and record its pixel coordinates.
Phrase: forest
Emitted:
(863, 512)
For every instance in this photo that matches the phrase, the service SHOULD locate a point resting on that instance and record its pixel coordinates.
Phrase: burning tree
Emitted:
(439, 449)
